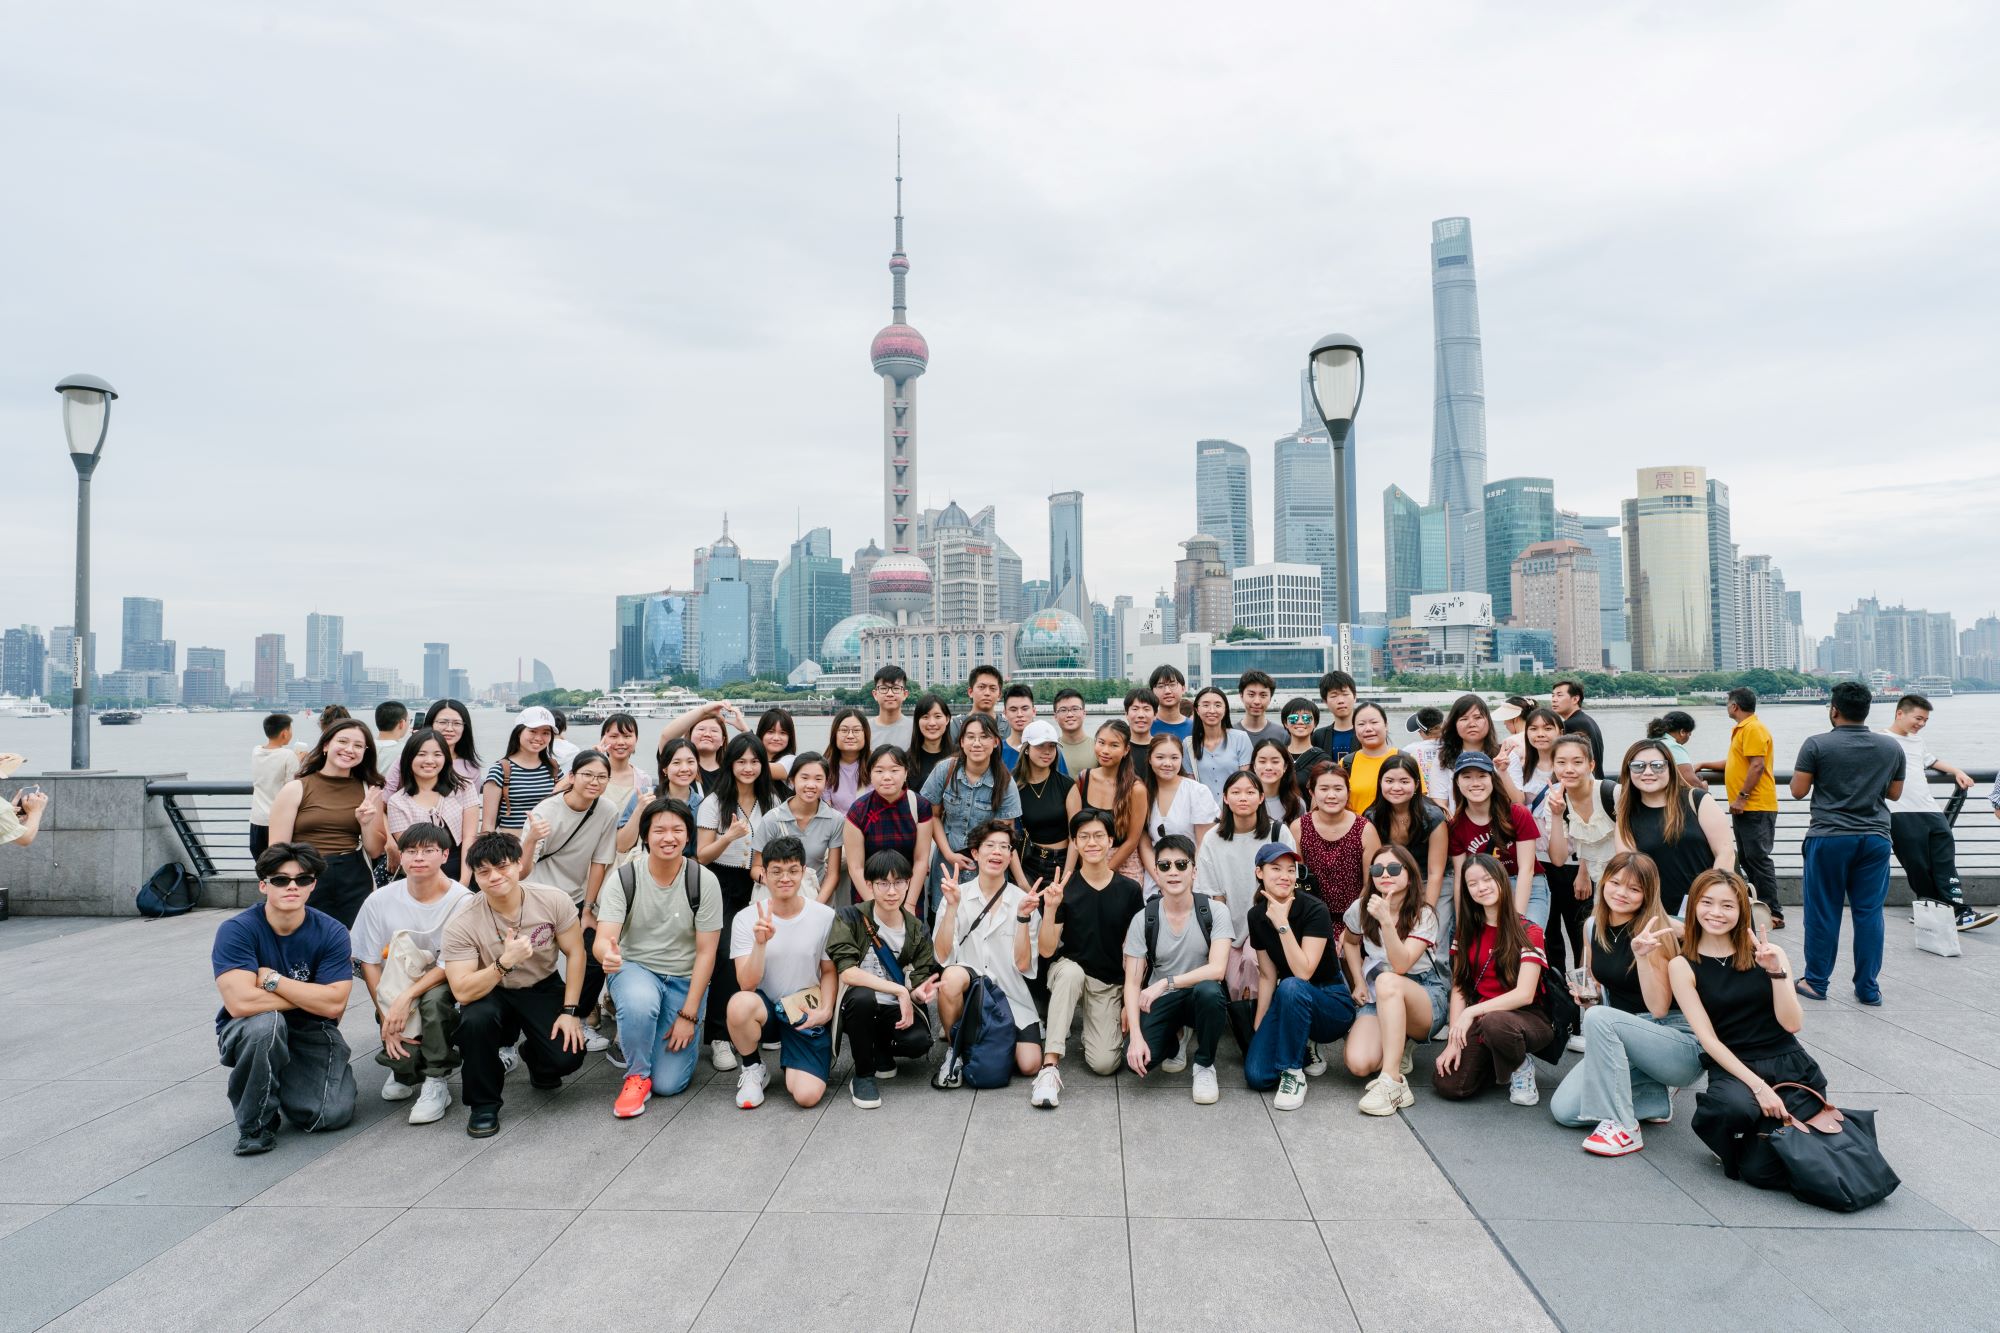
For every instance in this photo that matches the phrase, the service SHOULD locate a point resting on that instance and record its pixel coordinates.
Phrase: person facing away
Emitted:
(1752, 797)
(284, 971)
(1919, 833)
(392, 728)
(272, 765)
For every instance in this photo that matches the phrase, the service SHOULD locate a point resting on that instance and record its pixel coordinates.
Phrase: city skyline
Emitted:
(1105, 267)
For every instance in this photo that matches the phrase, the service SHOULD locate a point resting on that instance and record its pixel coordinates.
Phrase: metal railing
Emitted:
(1970, 813)
(212, 820)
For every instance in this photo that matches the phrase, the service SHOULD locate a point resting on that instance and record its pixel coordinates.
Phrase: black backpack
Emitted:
(1203, 918)
(172, 890)
(628, 876)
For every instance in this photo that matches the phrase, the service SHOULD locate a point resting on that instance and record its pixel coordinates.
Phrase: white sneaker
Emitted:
(510, 1059)
(1521, 1086)
(887, 1071)
(769, 1045)
(1386, 1096)
(723, 1056)
(1409, 1056)
(1315, 1062)
(1205, 1089)
(1176, 1062)
(750, 1086)
(1291, 1090)
(1047, 1092)
(949, 1073)
(397, 1091)
(595, 1041)
(1668, 1118)
(1576, 1043)
(433, 1104)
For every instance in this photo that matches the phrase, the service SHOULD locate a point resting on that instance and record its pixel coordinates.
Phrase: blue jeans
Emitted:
(1851, 870)
(647, 1003)
(1538, 900)
(1299, 1012)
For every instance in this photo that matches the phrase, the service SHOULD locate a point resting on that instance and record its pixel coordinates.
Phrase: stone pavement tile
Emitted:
(1020, 1159)
(697, 1248)
(1356, 1166)
(1981, 1110)
(826, 1272)
(390, 1272)
(80, 1161)
(716, 1156)
(1411, 1276)
(178, 1055)
(1078, 1269)
(49, 1265)
(1942, 1158)
(230, 1274)
(832, 1174)
(38, 1110)
(1638, 1277)
(1888, 1280)
(561, 1157)
(1515, 1161)
(14, 1216)
(1167, 1173)
(1906, 1059)
(1165, 1251)
(1842, 1077)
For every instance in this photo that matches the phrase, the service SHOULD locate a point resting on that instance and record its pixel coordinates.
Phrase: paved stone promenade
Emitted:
(122, 1208)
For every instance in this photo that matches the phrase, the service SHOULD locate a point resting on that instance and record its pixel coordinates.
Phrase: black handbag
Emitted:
(1560, 1008)
(1840, 1168)
(172, 890)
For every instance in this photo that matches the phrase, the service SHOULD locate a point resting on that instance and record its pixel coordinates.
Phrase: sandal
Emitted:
(1804, 987)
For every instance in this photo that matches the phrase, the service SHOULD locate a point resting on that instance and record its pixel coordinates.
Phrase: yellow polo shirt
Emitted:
(1750, 739)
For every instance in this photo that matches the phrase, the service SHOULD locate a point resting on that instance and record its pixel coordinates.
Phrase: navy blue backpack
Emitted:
(983, 1039)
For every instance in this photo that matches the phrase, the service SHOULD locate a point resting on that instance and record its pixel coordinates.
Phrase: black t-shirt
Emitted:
(1741, 1008)
(1582, 724)
(1614, 969)
(1337, 744)
(1305, 761)
(1309, 919)
(1044, 809)
(1094, 923)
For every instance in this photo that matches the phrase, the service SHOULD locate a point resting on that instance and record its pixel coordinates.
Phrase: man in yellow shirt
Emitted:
(1753, 797)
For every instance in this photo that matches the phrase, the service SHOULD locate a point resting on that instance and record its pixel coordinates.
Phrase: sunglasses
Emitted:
(286, 881)
(1648, 765)
(1387, 870)
(1298, 717)
(1175, 864)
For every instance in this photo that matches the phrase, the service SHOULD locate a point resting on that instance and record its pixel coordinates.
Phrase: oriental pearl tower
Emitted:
(900, 583)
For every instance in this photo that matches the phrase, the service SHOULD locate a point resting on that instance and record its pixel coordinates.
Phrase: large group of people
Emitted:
(1022, 889)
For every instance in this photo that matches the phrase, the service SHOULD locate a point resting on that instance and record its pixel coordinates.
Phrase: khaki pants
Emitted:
(1103, 1004)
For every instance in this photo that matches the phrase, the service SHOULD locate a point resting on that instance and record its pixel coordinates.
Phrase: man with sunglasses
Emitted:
(1176, 951)
(284, 971)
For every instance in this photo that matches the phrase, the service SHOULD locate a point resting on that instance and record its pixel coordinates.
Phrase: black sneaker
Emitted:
(484, 1122)
(249, 1145)
(1972, 919)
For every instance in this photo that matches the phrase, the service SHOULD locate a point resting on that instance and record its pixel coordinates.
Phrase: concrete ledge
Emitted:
(101, 837)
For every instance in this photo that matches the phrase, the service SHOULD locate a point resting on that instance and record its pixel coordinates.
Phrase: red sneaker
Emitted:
(632, 1098)
(1611, 1139)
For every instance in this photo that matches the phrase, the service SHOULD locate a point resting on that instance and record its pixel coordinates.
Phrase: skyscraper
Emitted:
(1067, 590)
(1222, 499)
(760, 576)
(62, 660)
(206, 680)
(864, 562)
(652, 632)
(143, 624)
(1760, 613)
(1302, 500)
(1667, 578)
(24, 661)
(900, 582)
(1516, 512)
(1723, 592)
(1555, 588)
(437, 669)
(1278, 601)
(1202, 593)
(272, 674)
(1458, 423)
(964, 568)
(726, 645)
(1602, 534)
(1402, 550)
(324, 646)
(813, 595)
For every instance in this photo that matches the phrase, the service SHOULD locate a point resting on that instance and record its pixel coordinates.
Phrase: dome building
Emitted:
(840, 653)
(1052, 644)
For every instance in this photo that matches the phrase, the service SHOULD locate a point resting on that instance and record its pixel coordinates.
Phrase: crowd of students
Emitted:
(1008, 885)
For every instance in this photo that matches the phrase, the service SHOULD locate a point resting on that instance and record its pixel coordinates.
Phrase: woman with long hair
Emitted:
(629, 787)
(1485, 821)
(571, 843)
(1676, 727)
(1582, 811)
(1215, 748)
(1371, 751)
(847, 753)
(1044, 803)
(973, 788)
(930, 742)
(680, 773)
(1683, 828)
(1401, 816)
(1226, 868)
(1114, 785)
(452, 721)
(1175, 802)
(804, 814)
(780, 736)
(524, 776)
(1637, 1046)
(335, 806)
(1390, 943)
(1496, 971)
(432, 791)
(1531, 766)
(722, 833)
(707, 727)
(1468, 728)
(1736, 989)
(1329, 837)
(1279, 780)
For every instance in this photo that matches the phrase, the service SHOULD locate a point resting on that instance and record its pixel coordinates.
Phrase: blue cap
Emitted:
(1271, 851)
(1473, 759)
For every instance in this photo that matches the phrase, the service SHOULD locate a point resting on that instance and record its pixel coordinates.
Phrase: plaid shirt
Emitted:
(888, 827)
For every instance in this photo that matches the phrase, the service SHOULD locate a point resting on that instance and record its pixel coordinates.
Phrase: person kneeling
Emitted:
(500, 958)
(1083, 929)
(659, 925)
(1302, 992)
(785, 983)
(404, 977)
(1496, 971)
(1176, 951)
(996, 941)
(1390, 942)
(284, 970)
(883, 956)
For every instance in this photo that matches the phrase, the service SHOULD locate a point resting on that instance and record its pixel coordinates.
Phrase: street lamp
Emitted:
(1335, 364)
(86, 419)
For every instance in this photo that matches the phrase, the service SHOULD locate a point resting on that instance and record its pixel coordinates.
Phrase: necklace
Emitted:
(1037, 789)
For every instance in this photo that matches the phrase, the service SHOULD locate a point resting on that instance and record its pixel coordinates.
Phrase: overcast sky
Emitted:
(459, 319)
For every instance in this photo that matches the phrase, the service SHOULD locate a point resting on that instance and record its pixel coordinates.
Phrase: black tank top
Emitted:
(1679, 862)
(1741, 1009)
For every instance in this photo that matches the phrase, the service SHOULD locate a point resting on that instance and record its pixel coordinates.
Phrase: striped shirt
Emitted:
(526, 789)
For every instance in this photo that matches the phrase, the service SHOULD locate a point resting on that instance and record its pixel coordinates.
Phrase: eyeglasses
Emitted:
(892, 885)
(1387, 870)
(286, 881)
(1175, 864)
(1648, 766)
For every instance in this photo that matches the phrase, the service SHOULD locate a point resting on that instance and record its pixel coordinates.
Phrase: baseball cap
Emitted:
(1271, 851)
(1473, 759)
(1040, 732)
(536, 717)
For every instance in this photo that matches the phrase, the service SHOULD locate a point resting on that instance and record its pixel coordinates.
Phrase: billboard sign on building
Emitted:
(1451, 608)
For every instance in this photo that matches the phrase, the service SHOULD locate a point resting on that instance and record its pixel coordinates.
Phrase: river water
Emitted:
(1965, 730)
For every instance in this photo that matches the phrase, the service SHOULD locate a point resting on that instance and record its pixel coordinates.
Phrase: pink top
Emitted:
(401, 810)
(468, 772)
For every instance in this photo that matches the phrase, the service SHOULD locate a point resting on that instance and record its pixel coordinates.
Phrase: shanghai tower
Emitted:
(1458, 430)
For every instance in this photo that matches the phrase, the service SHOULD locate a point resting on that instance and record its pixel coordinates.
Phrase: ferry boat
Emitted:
(667, 703)
(120, 717)
(32, 706)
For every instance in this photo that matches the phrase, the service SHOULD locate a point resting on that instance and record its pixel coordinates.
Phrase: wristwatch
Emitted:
(569, 1011)
(271, 983)
(1283, 928)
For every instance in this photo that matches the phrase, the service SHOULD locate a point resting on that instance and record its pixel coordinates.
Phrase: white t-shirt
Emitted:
(1192, 804)
(270, 770)
(1373, 959)
(1225, 869)
(391, 908)
(871, 961)
(1916, 798)
(989, 950)
(792, 958)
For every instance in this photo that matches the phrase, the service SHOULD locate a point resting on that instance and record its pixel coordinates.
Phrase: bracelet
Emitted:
(685, 1018)
(1024, 920)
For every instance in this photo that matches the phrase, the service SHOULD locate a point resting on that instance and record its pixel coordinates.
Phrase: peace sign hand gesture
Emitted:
(1770, 957)
(948, 890)
(763, 928)
(1651, 939)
